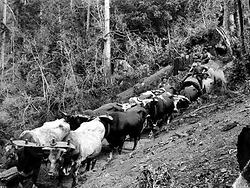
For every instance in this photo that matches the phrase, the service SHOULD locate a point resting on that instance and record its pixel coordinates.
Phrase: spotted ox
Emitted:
(160, 110)
(88, 142)
(180, 102)
(28, 159)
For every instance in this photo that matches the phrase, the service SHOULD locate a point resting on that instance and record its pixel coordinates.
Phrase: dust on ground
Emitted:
(198, 149)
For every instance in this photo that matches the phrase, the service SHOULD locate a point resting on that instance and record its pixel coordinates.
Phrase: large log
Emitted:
(146, 84)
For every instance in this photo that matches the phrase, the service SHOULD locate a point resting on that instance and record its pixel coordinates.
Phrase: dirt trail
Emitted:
(195, 150)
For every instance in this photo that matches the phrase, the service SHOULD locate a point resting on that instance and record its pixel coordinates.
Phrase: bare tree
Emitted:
(241, 23)
(71, 5)
(226, 16)
(88, 16)
(107, 50)
(3, 36)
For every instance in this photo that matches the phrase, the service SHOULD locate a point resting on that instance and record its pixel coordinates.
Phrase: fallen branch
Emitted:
(198, 109)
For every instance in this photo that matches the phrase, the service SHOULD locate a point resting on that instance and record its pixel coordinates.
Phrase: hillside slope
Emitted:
(198, 149)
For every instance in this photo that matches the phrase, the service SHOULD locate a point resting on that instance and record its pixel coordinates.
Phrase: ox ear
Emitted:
(106, 118)
(119, 104)
(155, 100)
(86, 117)
(65, 116)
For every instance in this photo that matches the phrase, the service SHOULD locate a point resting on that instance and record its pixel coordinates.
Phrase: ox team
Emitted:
(112, 121)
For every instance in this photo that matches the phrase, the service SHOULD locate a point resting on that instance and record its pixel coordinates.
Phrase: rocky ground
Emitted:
(198, 149)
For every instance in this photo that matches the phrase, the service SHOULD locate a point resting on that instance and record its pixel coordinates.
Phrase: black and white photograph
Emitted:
(124, 93)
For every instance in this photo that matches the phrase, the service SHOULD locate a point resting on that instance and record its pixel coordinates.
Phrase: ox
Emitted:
(28, 159)
(123, 124)
(180, 102)
(160, 110)
(243, 158)
(207, 85)
(88, 142)
(214, 70)
(191, 92)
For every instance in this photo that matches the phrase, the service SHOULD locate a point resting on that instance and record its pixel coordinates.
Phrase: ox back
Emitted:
(108, 108)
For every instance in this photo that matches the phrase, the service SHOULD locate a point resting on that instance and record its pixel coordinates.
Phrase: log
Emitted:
(148, 83)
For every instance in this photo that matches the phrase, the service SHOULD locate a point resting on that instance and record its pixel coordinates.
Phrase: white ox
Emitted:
(88, 142)
(28, 160)
(54, 130)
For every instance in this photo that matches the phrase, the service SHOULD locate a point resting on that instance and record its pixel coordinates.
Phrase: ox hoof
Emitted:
(34, 186)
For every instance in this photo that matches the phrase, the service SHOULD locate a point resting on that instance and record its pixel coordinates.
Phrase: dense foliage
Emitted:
(53, 63)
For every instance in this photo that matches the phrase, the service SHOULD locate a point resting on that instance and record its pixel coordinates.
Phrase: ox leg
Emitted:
(135, 143)
(110, 156)
(76, 172)
(136, 139)
(88, 161)
(35, 174)
(93, 163)
(34, 186)
(121, 145)
(169, 118)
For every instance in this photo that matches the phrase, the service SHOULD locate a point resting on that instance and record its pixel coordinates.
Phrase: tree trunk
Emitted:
(3, 37)
(226, 16)
(146, 84)
(88, 17)
(236, 18)
(241, 29)
(71, 5)
(107, 53)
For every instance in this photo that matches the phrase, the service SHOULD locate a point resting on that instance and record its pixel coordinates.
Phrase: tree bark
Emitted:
(146, 84)
(241, 29)
(107, 52)
(3, 36)
(226, 16)
(88, 17)
(71, 5)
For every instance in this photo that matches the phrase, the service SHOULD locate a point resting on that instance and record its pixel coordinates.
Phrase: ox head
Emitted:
(55, 159)
(75, 120)
(180, 102)
(27, 135)
(126, 106)
(60, 161)
(190, 92)
(141, 111)
(151, 108)
(207, 84)
(59, 157)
